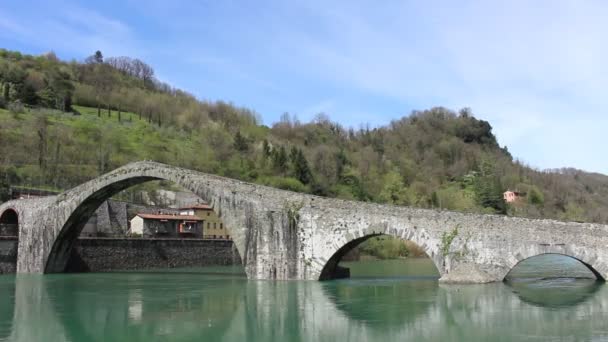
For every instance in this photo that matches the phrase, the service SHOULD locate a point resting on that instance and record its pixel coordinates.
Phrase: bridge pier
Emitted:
(469, 273)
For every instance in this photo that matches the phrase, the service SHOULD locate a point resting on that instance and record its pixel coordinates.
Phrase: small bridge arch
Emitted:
(81, 202)
(9, 222)
(331, 270)
(588, 260)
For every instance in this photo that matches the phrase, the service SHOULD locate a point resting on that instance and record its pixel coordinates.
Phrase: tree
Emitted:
(241, 144)
(7, 90)
(96, 58)
(4, 187)
(488, 189)
(341, 161)
(300, 166)
(61, 88)
(42, 124)
(100, 76)
(279, 160)
(266, 149)
(394, 191)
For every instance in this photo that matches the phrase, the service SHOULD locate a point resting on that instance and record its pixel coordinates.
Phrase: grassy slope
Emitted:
(131, 139)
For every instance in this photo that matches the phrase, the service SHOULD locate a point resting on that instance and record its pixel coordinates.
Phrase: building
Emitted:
(213, 227)
(512, 196)
(166, 225)
(21, 192)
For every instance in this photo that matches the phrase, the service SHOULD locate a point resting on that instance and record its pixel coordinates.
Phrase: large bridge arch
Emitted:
(86, 198)
(52, 224)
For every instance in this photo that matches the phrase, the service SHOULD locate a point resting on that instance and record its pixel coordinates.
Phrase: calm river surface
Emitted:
(385, 301)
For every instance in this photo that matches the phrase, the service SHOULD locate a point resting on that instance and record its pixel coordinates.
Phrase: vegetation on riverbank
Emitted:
(66, 122)
(388, 247)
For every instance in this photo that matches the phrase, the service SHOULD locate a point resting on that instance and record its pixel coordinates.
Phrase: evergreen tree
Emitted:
(279, 160)
(7, 91)
(241, 144)
(4, 187)
(488, 189)
(266, 149)
(341, 162)
(301, 170)
(293, 155)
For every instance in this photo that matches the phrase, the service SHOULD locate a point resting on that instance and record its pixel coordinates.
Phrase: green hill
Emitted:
(64, 123)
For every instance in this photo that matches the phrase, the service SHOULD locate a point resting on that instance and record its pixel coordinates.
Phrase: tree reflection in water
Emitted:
(218, 307)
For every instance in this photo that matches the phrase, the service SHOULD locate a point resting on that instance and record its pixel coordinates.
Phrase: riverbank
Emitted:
(385, 248)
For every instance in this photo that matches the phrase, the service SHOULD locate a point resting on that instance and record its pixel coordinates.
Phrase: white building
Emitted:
(166, 225)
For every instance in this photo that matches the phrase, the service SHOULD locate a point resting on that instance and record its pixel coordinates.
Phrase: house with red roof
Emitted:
(166, 225)
(213, 226)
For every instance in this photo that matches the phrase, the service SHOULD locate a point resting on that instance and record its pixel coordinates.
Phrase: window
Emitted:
(214, 225)
(221, 225)
(208, 225)
(208, 213)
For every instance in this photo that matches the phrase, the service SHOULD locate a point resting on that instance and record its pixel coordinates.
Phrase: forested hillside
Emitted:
(62, 123)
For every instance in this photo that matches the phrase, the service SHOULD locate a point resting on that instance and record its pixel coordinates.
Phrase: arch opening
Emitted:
(9, 241)
(554, 280)
(379, 256)
(552, 266)
(9, 223)
(170, 226)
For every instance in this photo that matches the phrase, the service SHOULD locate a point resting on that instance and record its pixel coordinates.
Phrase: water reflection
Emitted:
(555, 292)
(7, 306)
(391, 298)
(200, 306)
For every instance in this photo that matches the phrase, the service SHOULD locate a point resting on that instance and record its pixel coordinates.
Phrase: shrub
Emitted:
(285, 183)
(535, 196)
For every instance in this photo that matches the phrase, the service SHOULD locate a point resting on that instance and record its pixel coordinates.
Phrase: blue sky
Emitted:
(536, 70)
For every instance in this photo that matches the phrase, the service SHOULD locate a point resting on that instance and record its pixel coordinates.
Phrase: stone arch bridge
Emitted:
(287, 235)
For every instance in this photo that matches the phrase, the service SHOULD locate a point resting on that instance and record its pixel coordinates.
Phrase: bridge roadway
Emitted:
(288, 235)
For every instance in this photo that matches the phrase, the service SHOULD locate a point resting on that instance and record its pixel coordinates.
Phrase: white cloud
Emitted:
(535, 70)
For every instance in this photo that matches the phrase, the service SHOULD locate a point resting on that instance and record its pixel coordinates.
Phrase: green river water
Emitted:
(396, 300)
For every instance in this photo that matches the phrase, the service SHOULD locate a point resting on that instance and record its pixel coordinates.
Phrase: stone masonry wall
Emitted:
(8, 255)
(108, 254)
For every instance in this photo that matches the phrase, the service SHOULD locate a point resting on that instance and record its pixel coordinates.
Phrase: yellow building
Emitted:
(213, 227)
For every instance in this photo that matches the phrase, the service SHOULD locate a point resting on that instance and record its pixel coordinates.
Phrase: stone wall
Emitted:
(8, 255)
(108, 254)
